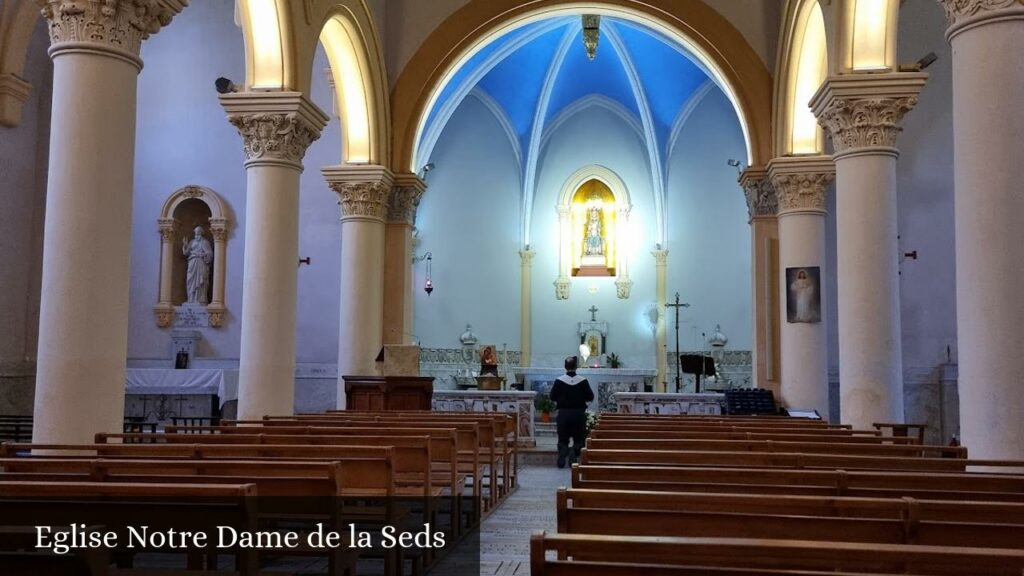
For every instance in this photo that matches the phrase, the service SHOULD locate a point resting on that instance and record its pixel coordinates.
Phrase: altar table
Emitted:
(158, 394)
(604, 381)
(667, 403)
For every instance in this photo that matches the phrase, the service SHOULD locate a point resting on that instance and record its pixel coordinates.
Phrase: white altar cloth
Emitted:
(223, 383)
(706, 403)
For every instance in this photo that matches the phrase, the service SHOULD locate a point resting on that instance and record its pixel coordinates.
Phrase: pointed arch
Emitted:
(803, 67)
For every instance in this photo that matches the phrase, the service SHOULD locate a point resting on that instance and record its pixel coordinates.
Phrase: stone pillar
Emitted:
(363, 192)
(762, 205)
(215, 309)
(398, 273)
(988, 80)
(164, 309)
(276, 129)
(623, 285)
(661, 283)
(800, 185)
(861, 113)
(525, 304)
(562, 283)
(83, 318)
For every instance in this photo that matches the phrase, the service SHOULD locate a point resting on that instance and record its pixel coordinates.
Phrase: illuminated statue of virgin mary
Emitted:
(593, 244)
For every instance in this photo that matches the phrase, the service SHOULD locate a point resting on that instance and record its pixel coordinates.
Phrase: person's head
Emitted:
(802, 275)
(571, 363)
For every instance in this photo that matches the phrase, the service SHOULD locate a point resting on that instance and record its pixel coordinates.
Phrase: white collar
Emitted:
(571, 380)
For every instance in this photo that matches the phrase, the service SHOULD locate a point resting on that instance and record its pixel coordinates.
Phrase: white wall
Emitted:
(708, 237)
(469, 220)
(184, 138)
(23, 164)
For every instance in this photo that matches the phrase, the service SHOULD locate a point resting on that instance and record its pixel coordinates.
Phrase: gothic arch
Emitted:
(730, 59)
(803, 65)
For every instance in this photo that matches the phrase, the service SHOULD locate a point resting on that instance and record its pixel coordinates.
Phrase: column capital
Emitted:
(964, 14)
(405, 198)
(276, 127)
(759, 192)
(660, 257)
(166, 227)
(526, 257)
(363, 190)
(863, 111)
(801, 182)
(118, 26)
(219, 229)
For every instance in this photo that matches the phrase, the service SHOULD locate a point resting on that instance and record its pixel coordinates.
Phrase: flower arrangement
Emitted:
(544, 405)
(591, 421)
(613, 360)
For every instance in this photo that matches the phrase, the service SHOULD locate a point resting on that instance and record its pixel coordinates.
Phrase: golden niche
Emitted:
(593, 211)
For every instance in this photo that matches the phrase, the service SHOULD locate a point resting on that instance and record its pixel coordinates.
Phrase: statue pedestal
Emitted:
(489, 382)
(190, 315)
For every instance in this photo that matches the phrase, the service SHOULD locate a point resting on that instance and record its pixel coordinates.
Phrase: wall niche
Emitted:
(193, 228)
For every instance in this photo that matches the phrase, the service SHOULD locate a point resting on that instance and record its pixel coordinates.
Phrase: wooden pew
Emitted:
(809, 436)
(195, 507)
(773, 446)
(594, 555)
(808, 518)
(863, 483)
(770, 459)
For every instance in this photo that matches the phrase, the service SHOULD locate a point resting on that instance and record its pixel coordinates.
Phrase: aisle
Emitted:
(505, 534)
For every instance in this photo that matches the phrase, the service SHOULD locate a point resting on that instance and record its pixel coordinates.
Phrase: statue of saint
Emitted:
(200, 257)
(488, 361)
(593, 244)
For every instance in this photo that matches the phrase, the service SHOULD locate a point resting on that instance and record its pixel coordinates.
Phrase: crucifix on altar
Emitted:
(594, 334)
(677, 305)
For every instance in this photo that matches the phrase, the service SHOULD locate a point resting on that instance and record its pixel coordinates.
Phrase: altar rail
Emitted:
(510, 402)
(657, 403)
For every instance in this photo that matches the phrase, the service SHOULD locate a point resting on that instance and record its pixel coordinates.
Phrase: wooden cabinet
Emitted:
(388, 392)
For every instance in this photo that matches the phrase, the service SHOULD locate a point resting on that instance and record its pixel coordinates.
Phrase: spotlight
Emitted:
(926, 60)
(225, 86)
(734, 163)
(426, 168)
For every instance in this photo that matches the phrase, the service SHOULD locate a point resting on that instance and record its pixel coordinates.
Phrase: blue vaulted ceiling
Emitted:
(537, 71)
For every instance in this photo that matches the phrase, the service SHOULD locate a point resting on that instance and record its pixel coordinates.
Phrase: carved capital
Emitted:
(865, 122)
(405, 200)
(960, 12)
(801, 182)
(526, 257)
(270, 136)
(759, 193)
(118, 24)
(219, 229)
(215, 315)
(166, 227)
(864, 110)
(562, 288)
(660, 257)
(362, 199)
(164, 315)
(623, 286)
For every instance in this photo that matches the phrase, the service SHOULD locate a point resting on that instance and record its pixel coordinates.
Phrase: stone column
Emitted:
(164, 309)
(215, 309)
(398, 273)
(83, 317)
(988, 80)
(562, 283)
(762, 205)
(800, 185)
(276, 129)
(623, 285)
(525, 304)
(861, 113)
(661, 293)
(363, 192)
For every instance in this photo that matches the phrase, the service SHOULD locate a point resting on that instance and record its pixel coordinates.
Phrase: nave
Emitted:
(674, 495)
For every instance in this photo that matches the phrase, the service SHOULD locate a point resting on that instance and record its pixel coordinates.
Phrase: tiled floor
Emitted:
(505, 534)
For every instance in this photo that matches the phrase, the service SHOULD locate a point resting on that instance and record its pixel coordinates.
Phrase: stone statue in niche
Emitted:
(200, 259)
(593, 244)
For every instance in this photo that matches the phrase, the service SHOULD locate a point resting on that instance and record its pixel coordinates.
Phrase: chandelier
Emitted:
(591, 33)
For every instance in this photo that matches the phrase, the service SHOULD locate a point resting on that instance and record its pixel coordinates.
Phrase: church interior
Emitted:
(345, 249)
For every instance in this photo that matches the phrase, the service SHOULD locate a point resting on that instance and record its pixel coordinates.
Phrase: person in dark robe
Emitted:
(571, 394)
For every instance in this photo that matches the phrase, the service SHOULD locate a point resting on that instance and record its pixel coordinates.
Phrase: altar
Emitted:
(516, 403)
(668, 403)
(604, 381)
(159, 394)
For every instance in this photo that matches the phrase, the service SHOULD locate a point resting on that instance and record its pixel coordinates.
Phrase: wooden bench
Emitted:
(774, 446)
(770, 459)
(595, 555)
(809, 436)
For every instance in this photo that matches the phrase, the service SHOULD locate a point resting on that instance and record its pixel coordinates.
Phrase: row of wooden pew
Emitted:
(362, 468)
(680, 495)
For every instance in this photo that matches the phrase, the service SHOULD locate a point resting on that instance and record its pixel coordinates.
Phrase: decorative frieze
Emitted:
(759, 193)
(959, 11)
(271, 136)
(120, 24)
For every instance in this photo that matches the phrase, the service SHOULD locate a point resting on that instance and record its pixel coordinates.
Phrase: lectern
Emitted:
(388, 392)
(697, 364)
